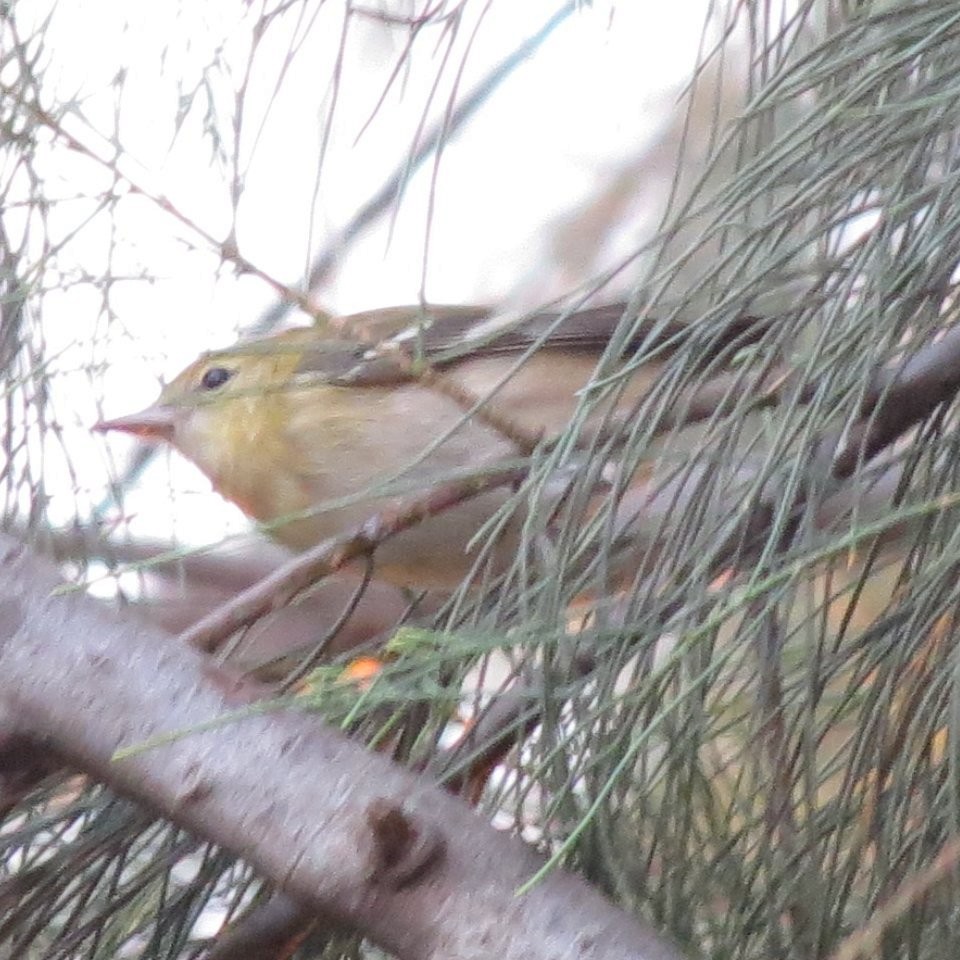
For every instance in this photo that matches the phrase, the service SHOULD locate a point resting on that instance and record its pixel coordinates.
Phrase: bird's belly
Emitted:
(392, 450)
(434, 553)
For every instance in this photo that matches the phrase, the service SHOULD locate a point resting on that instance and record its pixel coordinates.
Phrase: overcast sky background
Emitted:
(314, 147)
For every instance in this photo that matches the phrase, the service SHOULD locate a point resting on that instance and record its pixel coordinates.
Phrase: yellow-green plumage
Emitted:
(306, 421)
(280, 442)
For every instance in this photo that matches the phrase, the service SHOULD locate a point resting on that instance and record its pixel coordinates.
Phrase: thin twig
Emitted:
(332, 554)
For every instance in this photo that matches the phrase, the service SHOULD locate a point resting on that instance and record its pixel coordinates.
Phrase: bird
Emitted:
(313, 430)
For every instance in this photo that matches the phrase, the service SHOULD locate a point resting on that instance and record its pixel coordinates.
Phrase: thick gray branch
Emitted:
(364, 841)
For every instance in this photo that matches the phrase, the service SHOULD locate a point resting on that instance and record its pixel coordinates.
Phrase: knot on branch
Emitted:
(404, 846)
(24, 764)
(193, 788)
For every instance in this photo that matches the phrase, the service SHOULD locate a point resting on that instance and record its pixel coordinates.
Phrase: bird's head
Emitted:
(222, 405)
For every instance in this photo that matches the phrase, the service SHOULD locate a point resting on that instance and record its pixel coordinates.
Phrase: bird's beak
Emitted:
(154, 423)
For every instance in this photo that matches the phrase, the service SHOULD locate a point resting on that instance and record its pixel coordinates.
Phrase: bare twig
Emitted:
(227, 247)
(304, 570)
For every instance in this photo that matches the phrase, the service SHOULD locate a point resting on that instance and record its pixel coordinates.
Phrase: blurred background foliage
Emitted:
(753, 741)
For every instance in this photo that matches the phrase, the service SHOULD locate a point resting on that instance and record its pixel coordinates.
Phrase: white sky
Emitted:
(593, 96)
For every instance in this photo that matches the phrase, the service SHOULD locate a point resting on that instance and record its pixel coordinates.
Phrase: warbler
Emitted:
(315, 429)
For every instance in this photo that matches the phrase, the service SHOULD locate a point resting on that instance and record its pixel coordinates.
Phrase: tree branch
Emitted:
(362, 840)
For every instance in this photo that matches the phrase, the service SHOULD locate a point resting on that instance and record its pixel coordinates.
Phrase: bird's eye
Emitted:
(215, 377)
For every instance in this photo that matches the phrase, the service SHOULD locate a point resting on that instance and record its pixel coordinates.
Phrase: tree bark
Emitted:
(362, 840)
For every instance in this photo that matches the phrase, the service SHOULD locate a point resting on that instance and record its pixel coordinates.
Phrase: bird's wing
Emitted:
(389, 344)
